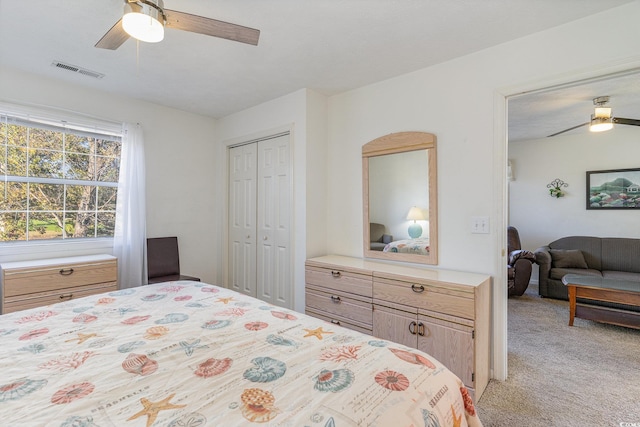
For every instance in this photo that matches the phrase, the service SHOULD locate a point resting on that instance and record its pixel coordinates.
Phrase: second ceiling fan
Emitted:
(145, 20)
(601, 119)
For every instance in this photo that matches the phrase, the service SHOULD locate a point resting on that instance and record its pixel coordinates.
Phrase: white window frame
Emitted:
(77, 123)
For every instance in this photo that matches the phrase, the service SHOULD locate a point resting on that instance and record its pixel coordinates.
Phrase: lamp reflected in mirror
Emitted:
(415, 229)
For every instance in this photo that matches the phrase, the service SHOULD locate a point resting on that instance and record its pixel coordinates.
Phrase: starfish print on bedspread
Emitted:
(82, 337)
(316, 332)
(151, 409)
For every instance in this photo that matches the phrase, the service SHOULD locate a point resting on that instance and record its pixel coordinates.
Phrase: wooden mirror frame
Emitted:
(401, 142)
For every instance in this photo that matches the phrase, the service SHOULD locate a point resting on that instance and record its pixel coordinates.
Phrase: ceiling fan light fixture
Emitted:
(603, 112)
(144, 20)
(600, 124)
(601, 118)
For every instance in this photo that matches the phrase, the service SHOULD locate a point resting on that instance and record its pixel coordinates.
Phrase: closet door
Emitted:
(242, 218)
(274, 222)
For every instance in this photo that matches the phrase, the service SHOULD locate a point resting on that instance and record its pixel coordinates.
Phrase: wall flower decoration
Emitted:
(555, 188)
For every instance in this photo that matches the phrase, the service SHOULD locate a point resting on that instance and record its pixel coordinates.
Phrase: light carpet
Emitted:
(558, 375)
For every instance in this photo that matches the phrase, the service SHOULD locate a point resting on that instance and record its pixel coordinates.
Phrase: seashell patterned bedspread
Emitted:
(191, 354)
(419, 246)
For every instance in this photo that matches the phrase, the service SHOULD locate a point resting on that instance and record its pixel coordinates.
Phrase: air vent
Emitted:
(76, 69)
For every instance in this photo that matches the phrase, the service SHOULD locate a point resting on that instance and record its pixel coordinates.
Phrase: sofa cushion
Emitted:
(559, 273)
(620, 254)
(568, 258)
(591, 248)
(621, 275)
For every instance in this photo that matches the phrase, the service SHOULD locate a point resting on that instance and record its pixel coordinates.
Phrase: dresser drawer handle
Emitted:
(335, 274)
(68, 296)
(421, 329)
(335, 322)
(417, 289)
(66, 271)
(335, 299)
(412, 328)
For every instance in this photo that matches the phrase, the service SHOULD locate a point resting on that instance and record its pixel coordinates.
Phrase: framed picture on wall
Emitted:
(613, 189)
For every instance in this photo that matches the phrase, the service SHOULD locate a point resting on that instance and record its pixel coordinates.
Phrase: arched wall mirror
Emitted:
(400, 197)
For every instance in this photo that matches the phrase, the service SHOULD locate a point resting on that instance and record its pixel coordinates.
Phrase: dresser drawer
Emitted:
(23, 302)
(340, 305)
(339, 321)
(51, 278)
(336, 279)
(422, 296)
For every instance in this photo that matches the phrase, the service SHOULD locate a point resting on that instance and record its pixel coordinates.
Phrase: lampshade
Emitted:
(416, 214)
(144, 20)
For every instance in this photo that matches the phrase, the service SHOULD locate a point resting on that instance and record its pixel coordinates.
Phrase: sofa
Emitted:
(608, 257)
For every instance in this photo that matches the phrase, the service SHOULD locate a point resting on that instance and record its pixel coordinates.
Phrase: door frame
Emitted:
(500, 150)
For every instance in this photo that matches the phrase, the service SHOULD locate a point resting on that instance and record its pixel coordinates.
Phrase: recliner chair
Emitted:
(519, 265)
(163, 261)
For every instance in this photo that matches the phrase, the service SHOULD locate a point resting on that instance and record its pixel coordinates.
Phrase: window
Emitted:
(58, 180)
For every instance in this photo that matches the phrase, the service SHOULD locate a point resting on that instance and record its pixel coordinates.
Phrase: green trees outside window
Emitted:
(57, 183)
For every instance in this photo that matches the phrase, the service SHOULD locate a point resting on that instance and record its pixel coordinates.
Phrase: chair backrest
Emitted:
(513, 240)
(162, 256)
(375, 232)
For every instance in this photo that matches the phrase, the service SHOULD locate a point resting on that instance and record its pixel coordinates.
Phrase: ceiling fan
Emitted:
(145, 20)
(601, 119)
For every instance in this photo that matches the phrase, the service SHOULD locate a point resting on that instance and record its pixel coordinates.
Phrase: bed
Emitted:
(192, 354)
(418, 246)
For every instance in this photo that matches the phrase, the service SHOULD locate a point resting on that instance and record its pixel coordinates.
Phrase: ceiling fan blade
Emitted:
(114, 38)
(211, 27)
(623, 121)
(567, 130)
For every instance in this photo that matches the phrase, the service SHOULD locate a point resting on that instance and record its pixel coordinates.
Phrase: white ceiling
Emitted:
(541, 114)
(326, 45)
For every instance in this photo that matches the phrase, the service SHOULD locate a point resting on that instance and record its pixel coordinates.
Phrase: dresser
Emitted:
(441, 312)
(28, 284)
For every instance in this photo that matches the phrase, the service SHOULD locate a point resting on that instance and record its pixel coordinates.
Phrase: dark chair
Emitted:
(520, 264)
(163, 262)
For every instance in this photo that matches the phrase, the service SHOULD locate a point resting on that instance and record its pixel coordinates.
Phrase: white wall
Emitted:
(304, 112)
(316, 175)
(540, 218)
(179, 158)
(462, 103)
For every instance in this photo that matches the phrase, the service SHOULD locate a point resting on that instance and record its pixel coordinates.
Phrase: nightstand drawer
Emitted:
(35, 280)
(421, 296)
(340, 304)
(23, 302)
(339, 280)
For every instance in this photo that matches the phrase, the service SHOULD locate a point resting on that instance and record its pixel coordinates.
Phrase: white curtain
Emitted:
(130, 234)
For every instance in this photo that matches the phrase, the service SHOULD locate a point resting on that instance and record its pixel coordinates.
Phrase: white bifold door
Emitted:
(260, 220)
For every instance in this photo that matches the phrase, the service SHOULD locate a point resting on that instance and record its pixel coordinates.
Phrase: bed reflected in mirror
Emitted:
(400, 212)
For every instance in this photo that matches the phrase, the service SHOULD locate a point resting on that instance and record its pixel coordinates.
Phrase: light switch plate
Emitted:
(480, 225)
